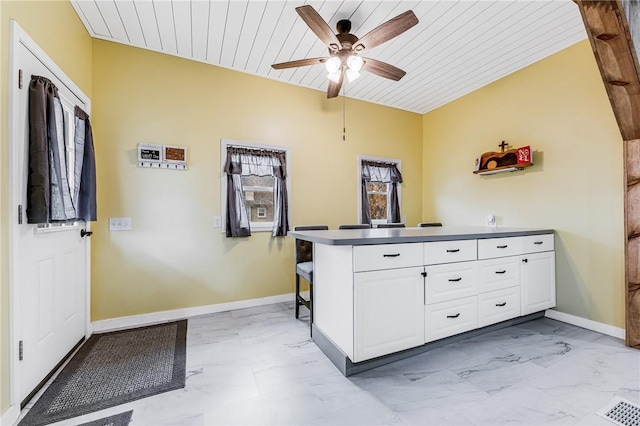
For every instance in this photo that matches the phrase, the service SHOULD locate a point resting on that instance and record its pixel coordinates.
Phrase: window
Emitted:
(254, 189)
(258, 197)
(379, 195)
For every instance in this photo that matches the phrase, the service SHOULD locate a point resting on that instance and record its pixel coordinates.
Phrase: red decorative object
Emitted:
(524, 155)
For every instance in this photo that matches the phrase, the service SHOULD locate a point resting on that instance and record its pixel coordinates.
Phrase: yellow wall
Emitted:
(174, 258)
(558, 106)
(55, 26)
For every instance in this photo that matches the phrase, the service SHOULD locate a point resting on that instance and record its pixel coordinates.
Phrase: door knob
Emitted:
(85, 233)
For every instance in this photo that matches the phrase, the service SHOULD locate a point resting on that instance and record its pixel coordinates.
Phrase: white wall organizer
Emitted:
(162, 156)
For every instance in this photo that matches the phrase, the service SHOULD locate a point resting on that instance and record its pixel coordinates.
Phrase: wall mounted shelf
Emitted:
(502, 169)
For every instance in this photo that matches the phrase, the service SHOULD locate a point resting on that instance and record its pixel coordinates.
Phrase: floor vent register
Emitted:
(621, 412)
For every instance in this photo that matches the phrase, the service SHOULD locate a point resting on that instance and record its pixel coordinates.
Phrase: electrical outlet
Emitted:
(217, 222)
(119, 224)
(491, 221)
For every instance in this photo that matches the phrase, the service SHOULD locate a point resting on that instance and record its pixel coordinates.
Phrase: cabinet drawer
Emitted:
(450, 251)
(386, 256)
(495, 274)
(500, 247)
(537, 243)
(499, 305)
(448, 318)
(451, 281)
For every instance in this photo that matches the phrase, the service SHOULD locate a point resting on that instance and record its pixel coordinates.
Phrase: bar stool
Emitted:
(304, 268)
(429, 224)
(360, 226)
(391, 225)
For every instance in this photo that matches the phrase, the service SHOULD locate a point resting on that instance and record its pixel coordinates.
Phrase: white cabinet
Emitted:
(538, 282)
(388, 312)
(376, 299)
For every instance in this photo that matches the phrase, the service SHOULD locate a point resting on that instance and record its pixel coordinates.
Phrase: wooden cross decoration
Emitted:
(503, 145)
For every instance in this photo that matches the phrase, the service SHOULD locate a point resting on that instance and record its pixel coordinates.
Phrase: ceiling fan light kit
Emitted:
(333, 65)
(344, 48)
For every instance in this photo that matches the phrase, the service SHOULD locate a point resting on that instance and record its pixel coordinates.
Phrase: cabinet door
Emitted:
(388, 312)
(538, 282)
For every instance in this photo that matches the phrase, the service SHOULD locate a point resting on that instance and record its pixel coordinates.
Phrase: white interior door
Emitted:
(51, 273)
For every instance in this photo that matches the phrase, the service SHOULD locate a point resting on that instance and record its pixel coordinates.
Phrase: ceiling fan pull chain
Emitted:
(344, 124)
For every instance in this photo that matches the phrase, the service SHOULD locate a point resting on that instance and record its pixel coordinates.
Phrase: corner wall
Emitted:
(558, 106)
(174, 258)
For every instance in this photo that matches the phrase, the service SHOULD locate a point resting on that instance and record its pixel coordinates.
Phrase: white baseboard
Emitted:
(10, 416)
(600, 327)
(177, 314)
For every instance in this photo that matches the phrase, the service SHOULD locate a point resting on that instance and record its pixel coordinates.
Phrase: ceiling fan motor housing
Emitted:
(343, 26)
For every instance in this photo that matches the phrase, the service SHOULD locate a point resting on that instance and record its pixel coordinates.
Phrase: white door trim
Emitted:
(20, 37)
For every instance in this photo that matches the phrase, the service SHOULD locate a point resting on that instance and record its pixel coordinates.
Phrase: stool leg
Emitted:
(297, 295)
(311, 309)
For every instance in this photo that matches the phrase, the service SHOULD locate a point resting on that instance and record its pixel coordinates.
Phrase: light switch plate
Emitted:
(217, 222)
(119, 224)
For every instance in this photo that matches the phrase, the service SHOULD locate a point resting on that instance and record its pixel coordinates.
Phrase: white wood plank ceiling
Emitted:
(457, 47)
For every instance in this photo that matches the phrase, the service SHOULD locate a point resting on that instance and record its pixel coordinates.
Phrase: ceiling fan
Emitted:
(345, 48)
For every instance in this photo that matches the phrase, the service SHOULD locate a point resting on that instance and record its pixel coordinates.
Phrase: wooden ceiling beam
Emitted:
(607, 24)
(612, 44)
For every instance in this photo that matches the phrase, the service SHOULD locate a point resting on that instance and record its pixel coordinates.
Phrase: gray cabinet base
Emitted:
(348, 368)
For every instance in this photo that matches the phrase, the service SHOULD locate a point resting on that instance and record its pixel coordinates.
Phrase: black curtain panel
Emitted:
(50, 195)
(85, 168)
(375, 171)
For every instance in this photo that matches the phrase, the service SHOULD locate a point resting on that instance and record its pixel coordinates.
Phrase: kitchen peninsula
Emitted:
(384, 294)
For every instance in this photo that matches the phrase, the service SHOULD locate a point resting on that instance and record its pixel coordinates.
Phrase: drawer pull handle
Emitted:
(455, 280)
(501, 272)
(537, 242)
(453, 251)
(454, 316)
(391, 255)
(525, 260)
(501, 304)
(504, 246)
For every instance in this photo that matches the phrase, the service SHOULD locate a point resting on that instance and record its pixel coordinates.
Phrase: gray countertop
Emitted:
(357, 237)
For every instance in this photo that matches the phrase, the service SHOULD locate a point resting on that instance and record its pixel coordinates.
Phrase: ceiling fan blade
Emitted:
(383, 69)
(385, 32)
(319, 26)
(334, 88)
(298, 63)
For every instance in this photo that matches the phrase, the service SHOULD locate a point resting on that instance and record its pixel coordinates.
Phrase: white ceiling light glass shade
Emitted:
(335, 76)
(333, 65)
(355, 63)
(352, 75)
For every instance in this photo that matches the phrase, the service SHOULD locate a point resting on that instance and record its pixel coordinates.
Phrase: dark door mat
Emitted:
(112, 369)
(122, 419)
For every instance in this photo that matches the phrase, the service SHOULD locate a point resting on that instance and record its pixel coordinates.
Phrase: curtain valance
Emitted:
(373, 171)
(255, 162)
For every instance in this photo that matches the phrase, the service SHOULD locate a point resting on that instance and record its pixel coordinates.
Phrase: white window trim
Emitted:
(255, 226)
(397, 162)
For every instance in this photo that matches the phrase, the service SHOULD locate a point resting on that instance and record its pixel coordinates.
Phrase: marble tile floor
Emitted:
(258, 366)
